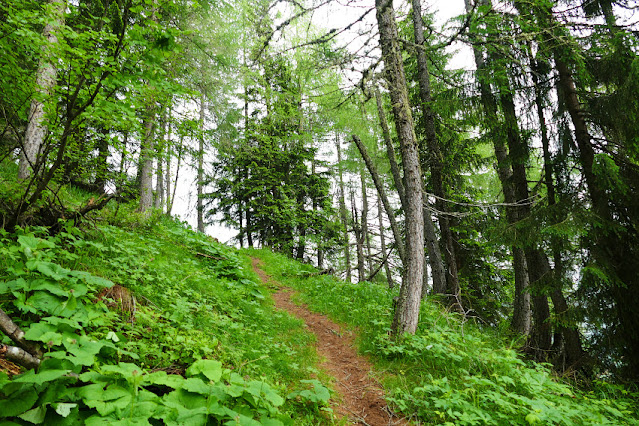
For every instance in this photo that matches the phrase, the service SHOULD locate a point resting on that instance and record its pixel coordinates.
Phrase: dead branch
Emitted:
(15, 333)
(19, 356)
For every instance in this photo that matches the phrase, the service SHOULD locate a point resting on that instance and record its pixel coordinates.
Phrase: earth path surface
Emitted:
(362, 397)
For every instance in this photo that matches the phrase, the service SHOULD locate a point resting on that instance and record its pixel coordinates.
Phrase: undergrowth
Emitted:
(452, 372)
(150, 323)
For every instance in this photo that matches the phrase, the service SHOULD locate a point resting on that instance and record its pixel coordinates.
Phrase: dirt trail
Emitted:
(362, 398)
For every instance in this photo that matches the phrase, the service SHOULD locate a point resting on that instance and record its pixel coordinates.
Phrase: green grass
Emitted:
(195, 299)
(202, 316)
(450, 371)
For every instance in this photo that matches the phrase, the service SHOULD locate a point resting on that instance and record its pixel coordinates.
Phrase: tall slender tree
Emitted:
(407, 309)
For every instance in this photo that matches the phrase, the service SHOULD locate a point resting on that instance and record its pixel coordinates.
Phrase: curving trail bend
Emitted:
(362, 398)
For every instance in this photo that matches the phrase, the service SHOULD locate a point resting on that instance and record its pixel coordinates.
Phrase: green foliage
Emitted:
(177, 338)
(267, 184)
(453, 371)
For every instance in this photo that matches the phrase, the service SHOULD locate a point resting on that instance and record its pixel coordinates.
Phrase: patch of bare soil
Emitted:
(362, 398)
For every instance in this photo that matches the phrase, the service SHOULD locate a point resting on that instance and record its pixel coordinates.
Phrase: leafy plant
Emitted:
(161, 324)
(452, 371)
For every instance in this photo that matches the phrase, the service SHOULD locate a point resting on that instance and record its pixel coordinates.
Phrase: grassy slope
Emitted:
(452, 371)
(109, 353)
(197, 299)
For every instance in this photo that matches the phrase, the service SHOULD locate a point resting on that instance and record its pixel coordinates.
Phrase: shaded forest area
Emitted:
(507, 191)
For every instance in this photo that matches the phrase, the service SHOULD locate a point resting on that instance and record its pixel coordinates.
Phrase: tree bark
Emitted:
(382, 237)
(169, 157)
(407, 309)
(15, 333)
(200, 170)
(169, 207)
(102, 165)
(359, 240)
(539, 269)
(435, 258)
(568, 339)
(381, 192)
(390, 152)
(438, 271)
(46, 76)
(19, 356)
(610, 250)
(146, 162)
(435, 159)
(365, 232)
(342, 210)
(159, 171)
(521, 319)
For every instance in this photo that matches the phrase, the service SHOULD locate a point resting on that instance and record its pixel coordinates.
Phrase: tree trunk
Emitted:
(169, 207)
(568, 340)
(380, 217)
(365, 231)
(407, 309)
(200, 170)
(46, 76)
(521, 318)
(342, 210)
(381, 192)
(159, 171)
(435, 159)
(15, 333)
(435, 258)
(102, 166)
(146, 163)
(610, 250)
(169, 156)
(438, 271)
(538, 267)
(359, 240)
(390, 152)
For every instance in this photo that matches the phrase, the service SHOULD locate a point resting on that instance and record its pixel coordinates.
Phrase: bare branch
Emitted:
(15, 333)
(19, 356)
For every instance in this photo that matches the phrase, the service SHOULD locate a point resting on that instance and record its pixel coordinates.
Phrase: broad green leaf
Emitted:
(33, 243)
(52, 270)
(92, 280)
(161, 378)
(51, 287)
(196, 385)
(40, 377)
(44, 301)
(35, 415)
(211, 369)
(114, 398)
(126, 369)
(271, 422)
(17, 402)
(243, 420)
(41, 332)
(82, 348)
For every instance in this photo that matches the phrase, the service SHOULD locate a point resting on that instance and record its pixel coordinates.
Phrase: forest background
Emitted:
(507, 191)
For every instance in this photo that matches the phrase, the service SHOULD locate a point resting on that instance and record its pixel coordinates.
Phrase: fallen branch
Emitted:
(19, 356)
(15, 333)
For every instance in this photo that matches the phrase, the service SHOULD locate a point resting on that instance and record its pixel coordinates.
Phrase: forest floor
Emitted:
(360, 397)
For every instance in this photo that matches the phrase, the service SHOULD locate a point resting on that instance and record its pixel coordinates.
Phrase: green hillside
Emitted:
(148, 322)
(153, 323)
